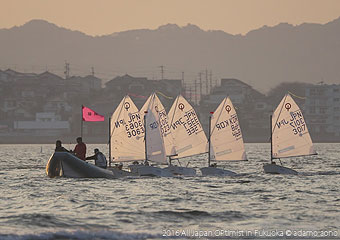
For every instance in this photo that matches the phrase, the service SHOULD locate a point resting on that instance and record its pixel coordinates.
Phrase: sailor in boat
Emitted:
(80, 149)
(119, 166)
(59, 147)
(99, 159)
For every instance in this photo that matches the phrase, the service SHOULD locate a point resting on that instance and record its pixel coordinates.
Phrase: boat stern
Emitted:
(277, 169)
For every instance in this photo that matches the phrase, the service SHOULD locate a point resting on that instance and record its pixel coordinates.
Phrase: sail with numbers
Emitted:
(226, 141)
(290, 136)
(155, 149)
(186, 129)
(127, 132)
(157, 107)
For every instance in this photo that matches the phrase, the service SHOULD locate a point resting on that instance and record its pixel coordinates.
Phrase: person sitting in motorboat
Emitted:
(99, 159)
(59, 147)
(80, 149)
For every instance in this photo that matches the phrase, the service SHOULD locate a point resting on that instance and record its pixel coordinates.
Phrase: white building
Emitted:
(45, 124)
(322, 108)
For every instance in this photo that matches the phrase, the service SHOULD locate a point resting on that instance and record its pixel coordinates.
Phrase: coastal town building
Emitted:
(140, 88)
(45, 124)
(322, 110)
(252, 107)
(47, 104)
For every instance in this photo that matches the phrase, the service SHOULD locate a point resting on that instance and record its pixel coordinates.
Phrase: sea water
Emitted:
(250, 205)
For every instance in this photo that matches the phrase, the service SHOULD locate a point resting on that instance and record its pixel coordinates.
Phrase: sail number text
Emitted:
(296, 121)
(189, 121)
(133, 126)
(234, 125)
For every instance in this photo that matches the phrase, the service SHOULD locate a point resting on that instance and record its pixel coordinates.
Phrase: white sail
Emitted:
(186, 129)
(127, 132)
(226, 142)
(157, 107)
(290, 136)
(154, 140)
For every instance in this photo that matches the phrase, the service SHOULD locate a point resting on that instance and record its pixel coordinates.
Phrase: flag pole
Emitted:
(109, 142)
(81, 123)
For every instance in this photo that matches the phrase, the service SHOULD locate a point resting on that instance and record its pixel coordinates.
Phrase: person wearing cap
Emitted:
(99, 159)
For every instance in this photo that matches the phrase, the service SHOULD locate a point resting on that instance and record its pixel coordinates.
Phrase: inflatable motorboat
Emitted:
(64, 164)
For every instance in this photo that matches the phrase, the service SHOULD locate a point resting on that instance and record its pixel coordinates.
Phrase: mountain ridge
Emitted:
(263, 57)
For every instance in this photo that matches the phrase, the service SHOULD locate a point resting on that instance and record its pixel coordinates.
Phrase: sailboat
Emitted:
(128, 143)
(154, 146)
(158, 133)
(188, 134)
(158, 109)
(225, 139)
(289, 136)
(126, 136)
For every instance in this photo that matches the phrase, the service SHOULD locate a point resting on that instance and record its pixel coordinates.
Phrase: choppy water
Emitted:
(33, 206)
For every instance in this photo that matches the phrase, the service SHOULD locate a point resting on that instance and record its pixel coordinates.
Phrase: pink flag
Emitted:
(91, 116)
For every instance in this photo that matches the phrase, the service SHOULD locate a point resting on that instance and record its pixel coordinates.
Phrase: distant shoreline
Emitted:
(101, 140)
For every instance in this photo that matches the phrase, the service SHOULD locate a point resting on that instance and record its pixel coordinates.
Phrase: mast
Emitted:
(146, 150)
(172, 119)
(109, 142)
(209, 141)
(271, 139)
(81, 123)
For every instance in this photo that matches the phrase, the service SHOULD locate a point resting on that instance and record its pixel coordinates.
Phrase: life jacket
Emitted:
(101, 160)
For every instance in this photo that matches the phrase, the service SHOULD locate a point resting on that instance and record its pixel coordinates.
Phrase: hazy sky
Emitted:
(99, 17)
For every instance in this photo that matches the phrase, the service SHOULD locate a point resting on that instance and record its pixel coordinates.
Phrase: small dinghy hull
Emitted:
(64, 164)
(278, 169)
(184, 171)
(119, 173)
(213, 171)
(150, 171)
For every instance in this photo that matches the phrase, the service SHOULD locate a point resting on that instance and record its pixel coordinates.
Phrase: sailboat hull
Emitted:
(119, 173)
(150, 171)
(185, 171)
(64, 164)
(212, 171)
(277, 169)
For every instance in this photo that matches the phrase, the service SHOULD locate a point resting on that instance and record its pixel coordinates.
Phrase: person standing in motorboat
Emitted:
(99, 159)
(59, 147)
(80, 149)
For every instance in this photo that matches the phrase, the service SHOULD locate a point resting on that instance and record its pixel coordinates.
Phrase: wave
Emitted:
(41, 220)
(196, 214)
(23, 167)
(80, 234)
(186, 214)
(319, 173)
(328, 173)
